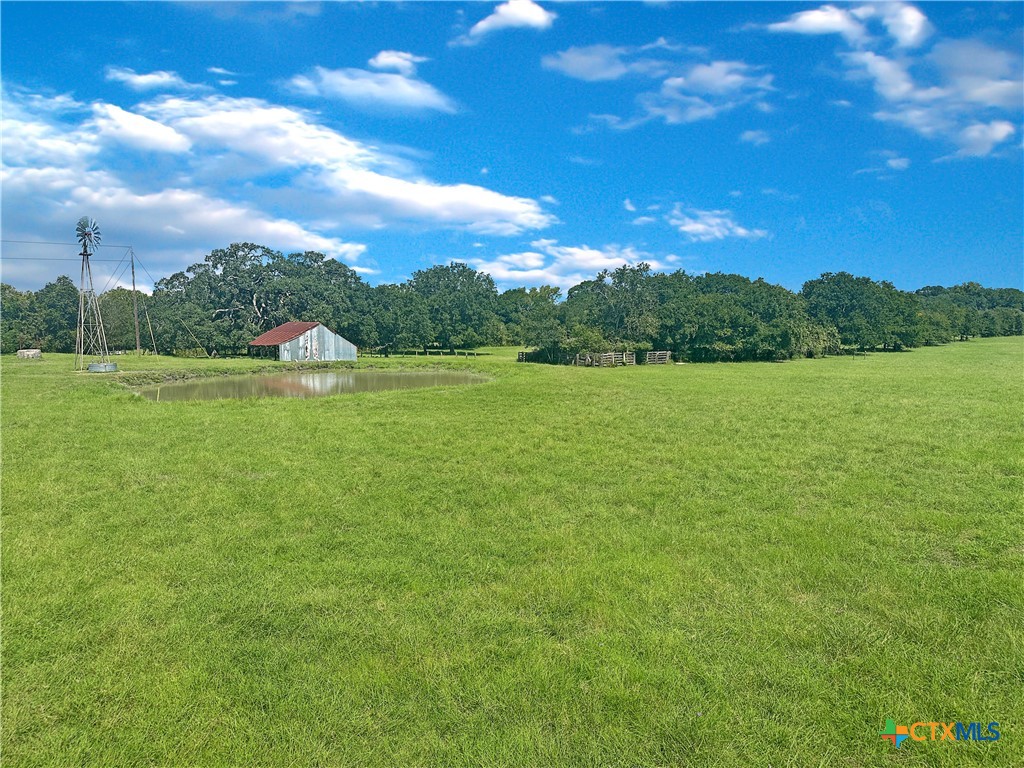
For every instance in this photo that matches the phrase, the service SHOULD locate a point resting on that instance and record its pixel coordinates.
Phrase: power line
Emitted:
(73, 245)
(49, 258)
(139, 262)
(115, 275)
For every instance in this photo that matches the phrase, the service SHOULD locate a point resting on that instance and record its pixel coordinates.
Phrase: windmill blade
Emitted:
(88, 232)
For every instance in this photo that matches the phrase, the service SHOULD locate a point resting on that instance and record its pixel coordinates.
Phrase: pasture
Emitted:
(731, 564)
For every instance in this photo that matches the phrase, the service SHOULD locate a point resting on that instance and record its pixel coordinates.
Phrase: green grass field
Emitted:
(750, 564)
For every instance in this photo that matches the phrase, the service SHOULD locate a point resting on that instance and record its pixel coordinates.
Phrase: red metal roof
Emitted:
(281, 334)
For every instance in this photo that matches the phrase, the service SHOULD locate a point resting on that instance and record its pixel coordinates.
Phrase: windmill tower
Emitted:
(91, 341)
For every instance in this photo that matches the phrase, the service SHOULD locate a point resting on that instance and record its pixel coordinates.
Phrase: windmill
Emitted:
(91, 341)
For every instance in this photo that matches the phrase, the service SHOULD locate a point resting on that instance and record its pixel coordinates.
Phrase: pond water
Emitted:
(318, 384)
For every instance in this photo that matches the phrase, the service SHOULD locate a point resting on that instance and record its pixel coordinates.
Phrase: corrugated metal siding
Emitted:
(317, 344)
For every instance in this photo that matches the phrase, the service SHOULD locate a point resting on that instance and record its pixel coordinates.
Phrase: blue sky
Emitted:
(538, 142)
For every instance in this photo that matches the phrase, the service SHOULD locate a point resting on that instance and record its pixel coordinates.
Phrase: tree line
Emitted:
(236, 293)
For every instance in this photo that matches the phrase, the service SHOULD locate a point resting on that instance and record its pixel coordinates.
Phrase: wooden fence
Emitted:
(605, 359)
(602, 359)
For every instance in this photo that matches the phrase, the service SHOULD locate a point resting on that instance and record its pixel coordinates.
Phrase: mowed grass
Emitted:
(752, 564)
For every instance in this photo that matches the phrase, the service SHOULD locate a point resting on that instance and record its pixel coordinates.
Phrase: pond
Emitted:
(317, 384)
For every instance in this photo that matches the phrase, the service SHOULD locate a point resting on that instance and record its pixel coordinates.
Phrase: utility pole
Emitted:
(135, 306)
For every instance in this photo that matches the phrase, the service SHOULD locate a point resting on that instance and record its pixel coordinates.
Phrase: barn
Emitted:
(302, 341)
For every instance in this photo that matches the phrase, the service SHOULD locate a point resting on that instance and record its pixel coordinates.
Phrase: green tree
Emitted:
(542, 325)
(971, 310)
(631, 315)
(532, 316)
(462, 304)
(54, 316)
(402, 317)
(16, 330)
(584, 339)
(586, 302)
(118, 312)
(866, 314)
(676, 298)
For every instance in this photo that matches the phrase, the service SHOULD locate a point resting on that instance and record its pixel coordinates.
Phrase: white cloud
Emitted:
(512, 14)
(563, 266)
(979, 139)
(720, 78)
(890, 161)
(689, 91)
(168, 227)
(675, 108)
(594, 63)
(757, 138)
(31, 138)
(701, 92)
(979, 74)
(209, 191)
(274, 136)
(365, 270)
(721, 86)
(200, 218)
(628, 205)
(221, 71)
(399, 61)
(159, 80)
(930, 122)
(708, 226)
(973, 57)
(954, 93)
(779, 194)
(129, 128)
(905, 23)
(602, 61)
(826, 20)
(458, 205)
(365, 88)
(641, 220)
(976, 80)
(208, 219)
(23, 99)
(340, 175)
(267, 14)
(525, 260)
(593, 260)
(891, 78)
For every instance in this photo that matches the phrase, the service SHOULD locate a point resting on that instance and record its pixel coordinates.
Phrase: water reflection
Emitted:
(306, 384)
